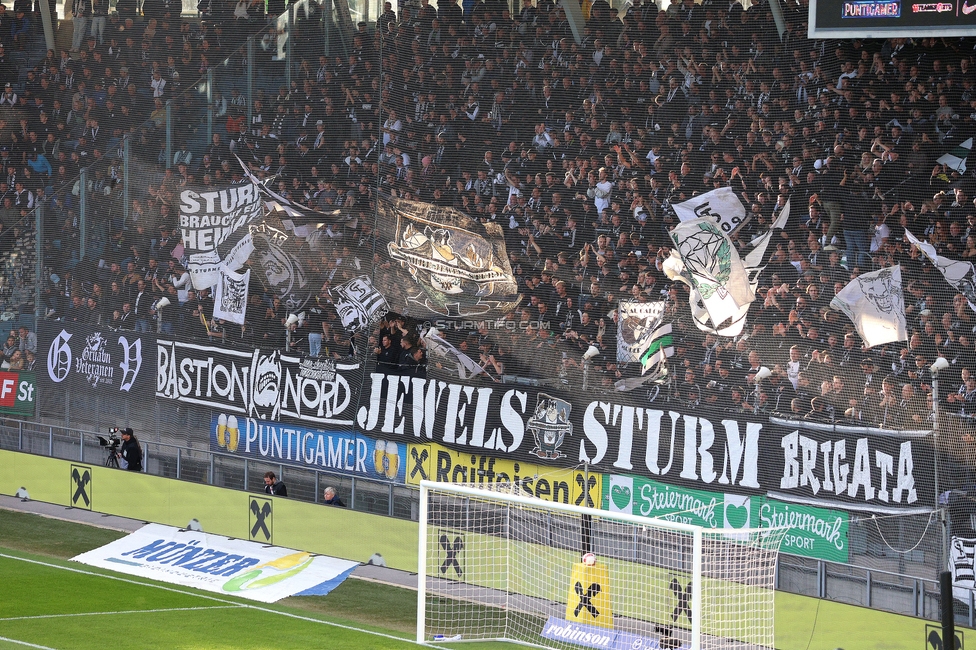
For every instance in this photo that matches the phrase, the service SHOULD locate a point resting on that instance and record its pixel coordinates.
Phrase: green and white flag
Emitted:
(642, 337)
(721, 292)
(956, 158)
(661, 347)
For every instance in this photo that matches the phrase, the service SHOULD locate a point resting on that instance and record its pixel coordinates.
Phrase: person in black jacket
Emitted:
(273, 486)
(332, 499)
(387, 356)
(130, 454)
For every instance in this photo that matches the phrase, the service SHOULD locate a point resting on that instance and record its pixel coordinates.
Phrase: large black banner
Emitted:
(259, 383)
(617, 433)
(800, 461)
(95, 359)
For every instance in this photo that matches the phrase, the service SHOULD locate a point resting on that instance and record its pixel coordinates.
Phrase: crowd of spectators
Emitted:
(20, 350)
(576, 150)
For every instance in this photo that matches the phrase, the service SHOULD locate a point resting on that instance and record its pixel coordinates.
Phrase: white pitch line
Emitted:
(131, 611)
(24, 643)
(220, 600)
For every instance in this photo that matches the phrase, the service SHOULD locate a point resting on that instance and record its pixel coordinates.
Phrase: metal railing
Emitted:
(214, 468)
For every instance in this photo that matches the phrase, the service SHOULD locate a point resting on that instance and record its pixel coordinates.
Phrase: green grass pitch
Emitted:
(49, 602)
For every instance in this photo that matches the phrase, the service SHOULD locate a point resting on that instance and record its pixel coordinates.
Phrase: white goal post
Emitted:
(495, 564)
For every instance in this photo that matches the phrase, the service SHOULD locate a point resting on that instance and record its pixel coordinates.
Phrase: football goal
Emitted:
(498, 564)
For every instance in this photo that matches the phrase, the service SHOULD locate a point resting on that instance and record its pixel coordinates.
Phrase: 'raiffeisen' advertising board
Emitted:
(437, 463)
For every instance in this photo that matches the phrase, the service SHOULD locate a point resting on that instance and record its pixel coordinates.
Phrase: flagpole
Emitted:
(940, 364)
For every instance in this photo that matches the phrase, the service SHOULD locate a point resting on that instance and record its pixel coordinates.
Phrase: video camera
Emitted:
(113, 441)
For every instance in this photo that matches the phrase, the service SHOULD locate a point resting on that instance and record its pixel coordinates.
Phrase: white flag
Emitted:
(956, 158)
(230, 299)
(705, 259)
(437, 346)
(721, 206)
(958, 273)
(876, 305)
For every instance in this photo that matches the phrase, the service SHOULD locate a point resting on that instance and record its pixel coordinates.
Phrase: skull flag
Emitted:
(230, 299)
(876, 305)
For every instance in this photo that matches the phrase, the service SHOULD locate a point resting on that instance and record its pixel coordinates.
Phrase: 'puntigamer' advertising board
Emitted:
(341, 452)
(891, 18)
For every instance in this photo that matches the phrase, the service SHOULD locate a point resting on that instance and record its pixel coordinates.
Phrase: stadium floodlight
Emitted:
(497, 564)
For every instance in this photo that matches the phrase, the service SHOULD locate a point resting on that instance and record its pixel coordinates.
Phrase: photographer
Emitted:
(130, 454)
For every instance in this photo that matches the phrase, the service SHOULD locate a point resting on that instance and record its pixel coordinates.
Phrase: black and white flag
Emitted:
(284, 274)
(439, 348)
(215, 224)
(358, 303)
(230, 298)
(960, 274)
(443, 262)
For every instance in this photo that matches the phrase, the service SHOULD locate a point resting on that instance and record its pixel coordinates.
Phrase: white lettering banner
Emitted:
(214, 225)
(721, 205)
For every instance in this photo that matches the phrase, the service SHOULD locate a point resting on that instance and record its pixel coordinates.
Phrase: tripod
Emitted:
(111, 460)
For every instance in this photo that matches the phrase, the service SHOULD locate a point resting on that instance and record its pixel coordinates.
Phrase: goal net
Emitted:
(496, 564)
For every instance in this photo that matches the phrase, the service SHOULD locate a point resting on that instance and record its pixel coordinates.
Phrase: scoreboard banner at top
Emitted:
(891, 18)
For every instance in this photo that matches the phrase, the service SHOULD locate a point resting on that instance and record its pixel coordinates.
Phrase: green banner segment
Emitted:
(17, 393)
(814, 532)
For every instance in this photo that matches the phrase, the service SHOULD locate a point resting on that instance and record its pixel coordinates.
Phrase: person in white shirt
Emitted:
(600, 190)
(881, 234)
(391, 127)
(158, 84)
